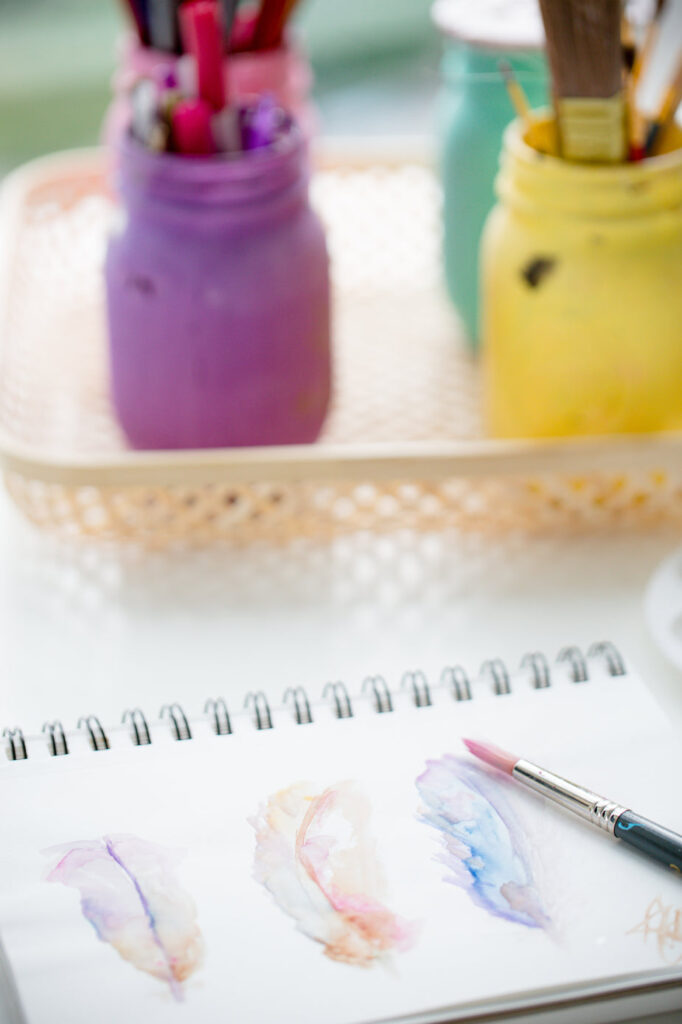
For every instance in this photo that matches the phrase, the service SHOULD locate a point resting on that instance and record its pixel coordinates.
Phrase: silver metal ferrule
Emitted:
(580, 801)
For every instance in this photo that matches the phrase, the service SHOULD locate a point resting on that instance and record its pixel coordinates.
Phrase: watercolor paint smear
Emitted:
(315, 855)
(483, 844)
(131, 898)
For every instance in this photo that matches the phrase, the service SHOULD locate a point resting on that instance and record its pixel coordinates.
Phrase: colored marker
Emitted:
(191, 128)
(227, 130)
(201, 30)
(163, 25)
(144, 108)
(262, 124)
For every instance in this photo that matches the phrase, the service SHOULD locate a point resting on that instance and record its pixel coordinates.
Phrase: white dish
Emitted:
(663, 607)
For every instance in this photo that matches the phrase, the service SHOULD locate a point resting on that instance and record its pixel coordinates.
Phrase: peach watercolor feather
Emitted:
(315, 856)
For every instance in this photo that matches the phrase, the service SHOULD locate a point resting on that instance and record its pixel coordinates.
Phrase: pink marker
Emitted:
(202, 36)
(191, 127)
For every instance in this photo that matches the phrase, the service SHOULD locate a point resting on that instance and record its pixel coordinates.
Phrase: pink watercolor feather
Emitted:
(130, 896)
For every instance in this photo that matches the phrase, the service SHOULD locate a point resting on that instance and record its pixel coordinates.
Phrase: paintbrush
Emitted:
(516, 94)
(585, 59)
(655, 142)
(657, 842)
(636, 125)
(643, 54)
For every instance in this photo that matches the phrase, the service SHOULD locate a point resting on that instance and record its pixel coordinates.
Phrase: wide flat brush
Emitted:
(585, 59)
(646, 836)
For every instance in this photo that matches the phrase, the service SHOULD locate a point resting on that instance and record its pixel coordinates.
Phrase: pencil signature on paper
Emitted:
(665, 924)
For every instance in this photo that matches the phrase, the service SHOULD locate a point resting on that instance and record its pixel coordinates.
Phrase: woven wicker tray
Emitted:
(402, 447)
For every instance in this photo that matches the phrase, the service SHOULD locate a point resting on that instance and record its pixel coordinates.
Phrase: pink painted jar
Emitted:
(218, 304)
(284, 73)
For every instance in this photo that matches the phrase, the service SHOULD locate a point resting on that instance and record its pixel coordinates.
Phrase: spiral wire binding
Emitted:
(383, 702)
(56, 738)
(576, 659)
(261, 709)
(417, 681)
(304, 715)
(181, 729)
(16, 744)
(96, 734)
(611, 655)
(217, 709)
(537, 663)
(456, 679)
(140, 733)
(342, 703)
(496, 670)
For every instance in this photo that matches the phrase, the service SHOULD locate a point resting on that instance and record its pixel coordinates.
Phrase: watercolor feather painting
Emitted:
(315, 856)
(484, 848)
(131, 898)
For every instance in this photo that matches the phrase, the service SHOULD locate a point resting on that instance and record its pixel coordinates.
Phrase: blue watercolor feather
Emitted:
(484, 846)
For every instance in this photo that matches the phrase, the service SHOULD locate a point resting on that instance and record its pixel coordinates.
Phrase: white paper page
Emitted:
(200, 796)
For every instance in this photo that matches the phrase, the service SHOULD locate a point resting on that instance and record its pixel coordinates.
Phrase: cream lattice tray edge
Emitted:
(407, 453)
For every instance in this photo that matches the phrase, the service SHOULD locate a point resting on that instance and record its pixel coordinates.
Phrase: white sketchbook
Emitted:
(343, 860)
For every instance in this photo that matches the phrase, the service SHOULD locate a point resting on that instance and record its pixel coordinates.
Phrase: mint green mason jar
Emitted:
(473, 110)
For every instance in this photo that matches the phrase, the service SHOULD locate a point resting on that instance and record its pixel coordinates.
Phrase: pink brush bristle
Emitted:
(492, 755)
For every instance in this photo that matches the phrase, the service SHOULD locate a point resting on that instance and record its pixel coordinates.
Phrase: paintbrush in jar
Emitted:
(586, 64)
(637, 123)
(665, 117)
(516, 94)
(643, 54)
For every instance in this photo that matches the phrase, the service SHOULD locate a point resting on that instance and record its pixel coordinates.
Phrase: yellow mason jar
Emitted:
(582, 293)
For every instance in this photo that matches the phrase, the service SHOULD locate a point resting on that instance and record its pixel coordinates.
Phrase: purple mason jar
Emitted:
(217, 284)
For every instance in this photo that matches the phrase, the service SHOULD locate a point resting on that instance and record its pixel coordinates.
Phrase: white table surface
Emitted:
(88, 629)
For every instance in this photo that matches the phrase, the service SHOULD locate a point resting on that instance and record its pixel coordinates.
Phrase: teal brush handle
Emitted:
(659, 843)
